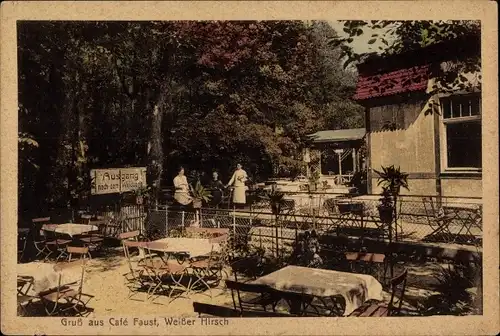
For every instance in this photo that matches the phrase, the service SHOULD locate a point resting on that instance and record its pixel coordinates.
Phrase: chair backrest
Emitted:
(398, 285)
(128, 244)
(79, 263)
(213, 310)
(239, 287)
(36, 229)
(429, 207)
(129, 235)
(81, 251)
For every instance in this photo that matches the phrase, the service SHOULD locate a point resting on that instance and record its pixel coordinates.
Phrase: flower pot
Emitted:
(312, 186)
(386, 213)
(139, 200)
(197, 203)
(276, 209)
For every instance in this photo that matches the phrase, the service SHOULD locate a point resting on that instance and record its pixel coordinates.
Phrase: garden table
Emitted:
(190, 248)
(193, 247)
(46, 276)
(70, 229)
(321, 283)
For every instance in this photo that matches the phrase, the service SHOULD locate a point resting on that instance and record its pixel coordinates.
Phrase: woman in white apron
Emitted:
(181, 186)
(238, 182)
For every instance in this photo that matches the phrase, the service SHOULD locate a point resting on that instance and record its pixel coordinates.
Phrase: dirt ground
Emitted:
(104, 279)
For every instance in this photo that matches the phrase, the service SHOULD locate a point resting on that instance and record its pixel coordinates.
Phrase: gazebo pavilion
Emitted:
(335, 153)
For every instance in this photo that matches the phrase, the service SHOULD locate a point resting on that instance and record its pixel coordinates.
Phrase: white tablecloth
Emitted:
(46, 277)
(71, 229)
(355, 288)
(195, 247)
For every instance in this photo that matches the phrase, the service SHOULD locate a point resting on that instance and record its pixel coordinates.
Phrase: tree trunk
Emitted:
(155, 153)
(156, 160)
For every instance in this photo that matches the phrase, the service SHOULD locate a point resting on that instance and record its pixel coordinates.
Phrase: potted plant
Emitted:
(141, 195)
(392, 180)
(314, 180)
(385, 208)
(200, 195)
(276, 199)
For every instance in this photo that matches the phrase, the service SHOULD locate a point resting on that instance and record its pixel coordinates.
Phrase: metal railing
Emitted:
(331, 217)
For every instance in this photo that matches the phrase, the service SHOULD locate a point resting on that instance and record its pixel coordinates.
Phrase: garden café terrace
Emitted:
(254, 262)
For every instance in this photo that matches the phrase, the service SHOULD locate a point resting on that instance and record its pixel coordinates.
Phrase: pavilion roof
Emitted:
(337, 135)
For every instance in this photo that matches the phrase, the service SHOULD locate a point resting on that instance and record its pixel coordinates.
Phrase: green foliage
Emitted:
(453, 285)
(395, 37)
(200, 192)
(276, 200)
(203, 94)
(392, 179)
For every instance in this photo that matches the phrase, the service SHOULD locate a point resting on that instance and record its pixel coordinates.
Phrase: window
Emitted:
(462, 131)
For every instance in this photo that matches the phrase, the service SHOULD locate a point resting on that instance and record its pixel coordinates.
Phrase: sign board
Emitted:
(117, 180)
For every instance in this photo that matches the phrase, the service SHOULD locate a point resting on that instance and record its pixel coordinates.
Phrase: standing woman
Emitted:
(181, 186)
(238, 181)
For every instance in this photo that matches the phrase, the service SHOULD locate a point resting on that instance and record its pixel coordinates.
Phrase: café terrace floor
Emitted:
(104, 279)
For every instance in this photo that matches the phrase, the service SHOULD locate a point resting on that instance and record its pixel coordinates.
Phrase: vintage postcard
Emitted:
(249, 168)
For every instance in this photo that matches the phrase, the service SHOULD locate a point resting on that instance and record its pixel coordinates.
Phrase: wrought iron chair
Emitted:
(438, 221)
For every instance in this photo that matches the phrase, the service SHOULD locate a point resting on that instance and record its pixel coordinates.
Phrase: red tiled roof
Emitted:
(393, 82)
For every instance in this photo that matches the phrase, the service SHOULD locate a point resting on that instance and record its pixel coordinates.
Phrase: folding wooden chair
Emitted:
(133, 236)
(135, 279)
(209, 270)
(165, 276)
(22, 239)
(438, 221)
(213, 310)
(24, 298)
(65, 297)
(264, 297)
(78, 300)
(398, 285)
(56, 244)
(24, 284)
(38, 236)
(95, 241)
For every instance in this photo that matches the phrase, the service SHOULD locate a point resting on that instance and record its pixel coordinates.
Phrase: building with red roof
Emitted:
(441, 150)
